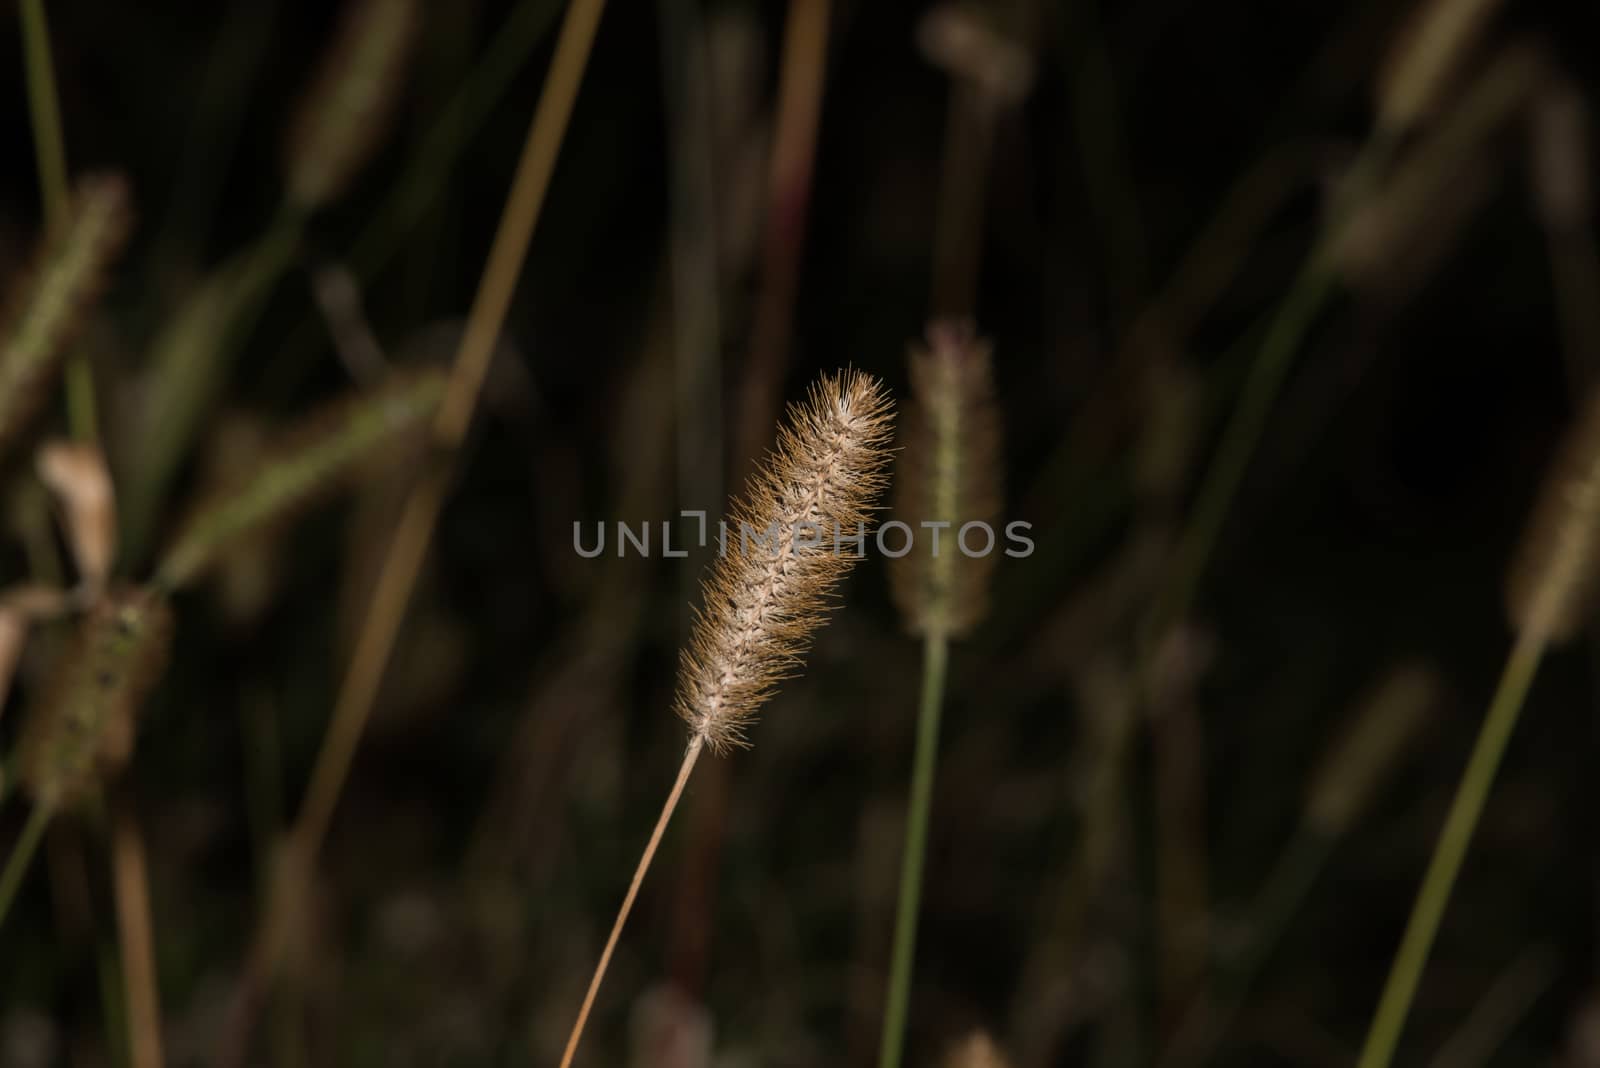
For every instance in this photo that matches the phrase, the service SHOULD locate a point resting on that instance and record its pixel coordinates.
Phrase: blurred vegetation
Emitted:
(1132, 821)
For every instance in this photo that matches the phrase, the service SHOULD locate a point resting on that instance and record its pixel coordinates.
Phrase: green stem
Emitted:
(1451, 849)
(50, 154)
(21, 856)
(934, 656)
(45, 113)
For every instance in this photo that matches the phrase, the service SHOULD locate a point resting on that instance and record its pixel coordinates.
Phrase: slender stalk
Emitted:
(403, 561)
(1451, 850)
(44, 112)
(691, 755)
(1308, 295)
(21, 856)
(131, 885)
(934, 658)
(49, 151)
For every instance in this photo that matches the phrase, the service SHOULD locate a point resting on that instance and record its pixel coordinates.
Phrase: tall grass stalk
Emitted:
(1551, 590)
(406, 551)
(1428, 909)
(934, 660)
(948, 474)
(50, 154)
(402, 561)
(140, 987)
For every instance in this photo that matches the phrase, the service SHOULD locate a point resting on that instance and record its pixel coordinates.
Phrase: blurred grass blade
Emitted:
(317, 458)
(188, 364)
(49, 308)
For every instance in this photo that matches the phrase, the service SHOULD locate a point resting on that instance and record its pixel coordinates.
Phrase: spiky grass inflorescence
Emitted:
(67, 277)
(1555, 575)
(789, 540)
(324, 453)
(81, 730)
(347, 107)
(947, 473)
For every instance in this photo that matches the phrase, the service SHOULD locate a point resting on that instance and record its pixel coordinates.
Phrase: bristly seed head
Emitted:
(948, 472)
(80, 732)
(789, 541)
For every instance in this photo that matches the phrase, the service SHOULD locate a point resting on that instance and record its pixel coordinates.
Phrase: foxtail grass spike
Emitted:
(784, 552)
(1552, 583)
(66, 279)
(314, 460)
(345, 112)
(948, 472)
(81, 730)
(789, 540)
(1387, 722)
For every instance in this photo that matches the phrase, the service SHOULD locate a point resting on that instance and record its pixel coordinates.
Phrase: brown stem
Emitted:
(131, 885)
(689, 758)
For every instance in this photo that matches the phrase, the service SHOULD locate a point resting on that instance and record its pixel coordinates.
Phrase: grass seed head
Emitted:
(947, 472)
(789, 540)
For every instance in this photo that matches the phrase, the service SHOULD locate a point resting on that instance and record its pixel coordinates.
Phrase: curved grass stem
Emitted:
(1426, 912)
(903, 958)
(1308, 294)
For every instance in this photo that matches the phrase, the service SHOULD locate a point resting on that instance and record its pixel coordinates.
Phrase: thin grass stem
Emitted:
(44, 112)
(1308, 295)
(21, 856)
(690, 755)
(50, 154)
(1426, 912)
(130, 883)
(903, 957)
(402, 562)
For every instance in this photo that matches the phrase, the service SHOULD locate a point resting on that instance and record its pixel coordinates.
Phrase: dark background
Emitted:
(523, 741)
